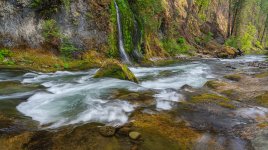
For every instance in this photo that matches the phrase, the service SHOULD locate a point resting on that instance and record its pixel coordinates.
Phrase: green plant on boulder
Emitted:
(114, 69)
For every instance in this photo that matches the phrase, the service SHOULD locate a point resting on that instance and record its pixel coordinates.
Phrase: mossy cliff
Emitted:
(151, 28)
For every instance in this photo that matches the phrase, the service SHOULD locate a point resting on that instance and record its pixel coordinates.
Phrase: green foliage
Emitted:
(247, 38)
(198, 40)
(66, 66)
(174, 47)
(202, 4)
(232, 41)
(67, 5)
(202, 7)
(148, 12)
(203, 17)
(112, 38)
(67, 48)
(5, 53)
(208, 37)
(127, 22)
(50, 30)
(258, 45)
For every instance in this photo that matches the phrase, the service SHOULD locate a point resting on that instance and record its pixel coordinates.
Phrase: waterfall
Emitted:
(123, 53)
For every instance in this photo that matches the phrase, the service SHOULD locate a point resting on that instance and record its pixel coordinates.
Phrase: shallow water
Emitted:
(76, 97)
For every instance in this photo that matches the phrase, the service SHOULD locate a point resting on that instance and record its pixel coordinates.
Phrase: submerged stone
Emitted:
(114, 69)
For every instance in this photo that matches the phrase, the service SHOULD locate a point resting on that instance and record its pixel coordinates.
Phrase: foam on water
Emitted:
(73, 103)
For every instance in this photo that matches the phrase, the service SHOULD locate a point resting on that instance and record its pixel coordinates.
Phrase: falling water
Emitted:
(123, 53)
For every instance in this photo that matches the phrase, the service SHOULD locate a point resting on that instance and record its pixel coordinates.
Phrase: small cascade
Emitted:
(123, 53)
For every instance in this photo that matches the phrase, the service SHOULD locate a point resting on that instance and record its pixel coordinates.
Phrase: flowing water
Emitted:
(63, 98)
(123, 53)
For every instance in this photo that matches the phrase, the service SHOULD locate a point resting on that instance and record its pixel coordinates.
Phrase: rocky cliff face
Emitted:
(86, 23)
(90, 24)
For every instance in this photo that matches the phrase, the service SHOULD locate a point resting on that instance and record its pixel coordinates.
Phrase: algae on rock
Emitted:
(114, 69)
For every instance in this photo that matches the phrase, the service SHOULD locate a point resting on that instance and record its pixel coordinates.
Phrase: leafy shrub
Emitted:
(208, 37)
(67, 48)
(198, 40)
(258, 45)
(50, 30)
(174, 47)
(4, 53)
(232, 41)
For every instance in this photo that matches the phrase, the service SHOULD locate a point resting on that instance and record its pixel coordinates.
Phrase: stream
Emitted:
(64, 98)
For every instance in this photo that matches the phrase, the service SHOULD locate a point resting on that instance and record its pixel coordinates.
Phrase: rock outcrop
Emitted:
(115, 69)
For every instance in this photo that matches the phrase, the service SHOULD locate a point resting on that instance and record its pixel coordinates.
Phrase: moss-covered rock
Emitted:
(233, 77)
(213, 84)
(114, 69)
(263, 99)
(262, 75)
(107, 131)
(212, 98)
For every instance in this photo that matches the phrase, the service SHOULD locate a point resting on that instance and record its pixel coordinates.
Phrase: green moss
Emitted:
(113, 51)
(263, 99)
(263, 125)
(212, 98)
(127, 22)
(262, 75)
(233, 77)
(162, 131)
(5, 55)
(230, 92)
(214, 84)
(114, 69)
(174, 47)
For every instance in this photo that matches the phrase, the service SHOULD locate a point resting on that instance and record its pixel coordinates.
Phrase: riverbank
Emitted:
(48, 61)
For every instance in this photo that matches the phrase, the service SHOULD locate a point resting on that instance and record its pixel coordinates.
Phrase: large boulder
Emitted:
(114, 69)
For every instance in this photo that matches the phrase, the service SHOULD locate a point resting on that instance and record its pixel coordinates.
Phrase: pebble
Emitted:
(134, 135)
